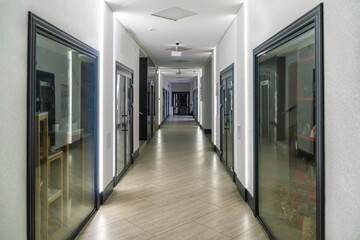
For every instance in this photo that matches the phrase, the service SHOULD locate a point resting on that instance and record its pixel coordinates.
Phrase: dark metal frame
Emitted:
(172, 97)
(36, 25)
(311, 20)
(121, 67)
(231, 172)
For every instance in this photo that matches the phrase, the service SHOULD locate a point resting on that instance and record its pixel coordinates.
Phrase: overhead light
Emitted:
(151, 29)
(174, 13)
(175, 54)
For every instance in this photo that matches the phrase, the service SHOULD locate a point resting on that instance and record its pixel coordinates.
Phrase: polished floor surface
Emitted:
(176, 189)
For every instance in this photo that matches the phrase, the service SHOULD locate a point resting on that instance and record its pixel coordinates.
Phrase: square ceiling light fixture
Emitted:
(175, 54)
(174, 14)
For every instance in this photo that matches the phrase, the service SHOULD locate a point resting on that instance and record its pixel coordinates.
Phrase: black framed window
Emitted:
(62, 132)
(289, 142)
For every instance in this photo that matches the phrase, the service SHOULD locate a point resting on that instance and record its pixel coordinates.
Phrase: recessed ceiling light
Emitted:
(151, 29)
(174, 13)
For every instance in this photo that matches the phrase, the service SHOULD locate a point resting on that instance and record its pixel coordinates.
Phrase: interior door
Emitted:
(120, 123)
(152, 108)
(229, 122)
(128, 119)
(227, 119)
(223, 120)
(264, 114)
(124, 120)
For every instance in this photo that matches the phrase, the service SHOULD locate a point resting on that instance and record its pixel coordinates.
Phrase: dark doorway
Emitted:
(181, 102)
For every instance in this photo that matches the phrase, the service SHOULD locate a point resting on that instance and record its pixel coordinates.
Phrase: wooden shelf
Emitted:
(54, 156)
(306, 60)
(53, 195)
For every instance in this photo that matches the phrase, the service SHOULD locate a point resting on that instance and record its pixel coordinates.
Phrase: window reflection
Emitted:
(287, 169)
(65, 143)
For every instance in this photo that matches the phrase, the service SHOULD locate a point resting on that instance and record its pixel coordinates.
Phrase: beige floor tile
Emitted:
(255, 233)
(116, 231)
(231, 221)
(176, 189)
(171, 215)
(191, 231)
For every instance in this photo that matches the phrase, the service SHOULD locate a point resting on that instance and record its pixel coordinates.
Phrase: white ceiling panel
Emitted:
(200, 33)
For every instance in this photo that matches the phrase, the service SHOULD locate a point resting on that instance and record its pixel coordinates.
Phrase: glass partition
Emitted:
(65, 125)
(287, 138)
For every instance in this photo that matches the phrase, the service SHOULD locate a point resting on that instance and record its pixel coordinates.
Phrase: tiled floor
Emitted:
(176, 189)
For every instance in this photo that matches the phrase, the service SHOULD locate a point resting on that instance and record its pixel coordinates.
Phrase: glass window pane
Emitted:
(65, 141)
(287, 166)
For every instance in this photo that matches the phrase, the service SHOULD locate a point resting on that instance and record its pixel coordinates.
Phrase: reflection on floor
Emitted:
(176, 189)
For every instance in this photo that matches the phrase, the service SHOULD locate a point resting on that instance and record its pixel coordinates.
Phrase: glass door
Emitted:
(62, 133)
(229, 123)
(226, 118)
(223, 121)
(123, 119)
(120, 123)
(289, 131)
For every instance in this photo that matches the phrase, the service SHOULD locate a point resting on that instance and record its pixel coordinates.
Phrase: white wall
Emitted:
(240, 102)
(207, 94)
(127, 52)
(13, 85)
(225, 56)
(108, 97)
(180, 87)
(13, 72)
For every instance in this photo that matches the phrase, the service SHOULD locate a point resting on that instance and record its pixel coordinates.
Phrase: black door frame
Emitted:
(188, 93)
(223, 73)
(37, 25)
(119, 67)
(311, 20)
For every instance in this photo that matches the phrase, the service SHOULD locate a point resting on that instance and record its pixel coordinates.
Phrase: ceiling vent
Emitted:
(174, 14)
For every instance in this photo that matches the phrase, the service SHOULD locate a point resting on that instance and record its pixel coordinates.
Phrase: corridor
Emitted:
(176, 189)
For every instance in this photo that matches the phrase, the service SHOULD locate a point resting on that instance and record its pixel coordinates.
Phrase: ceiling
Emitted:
(200, 32)
(173, 76)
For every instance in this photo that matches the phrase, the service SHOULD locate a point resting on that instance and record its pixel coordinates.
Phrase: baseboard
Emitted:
(217, 151)
(106, 192)
(135, 155)
(250, 200)
(240, 188)
(201, 127)
(207, 131)
(142, 147)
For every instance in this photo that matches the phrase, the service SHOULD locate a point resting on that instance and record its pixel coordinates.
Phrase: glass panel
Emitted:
(65, 140)
(224, 120)
(229, 123)
(120, 124)
(128, 113)
(287, 166)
